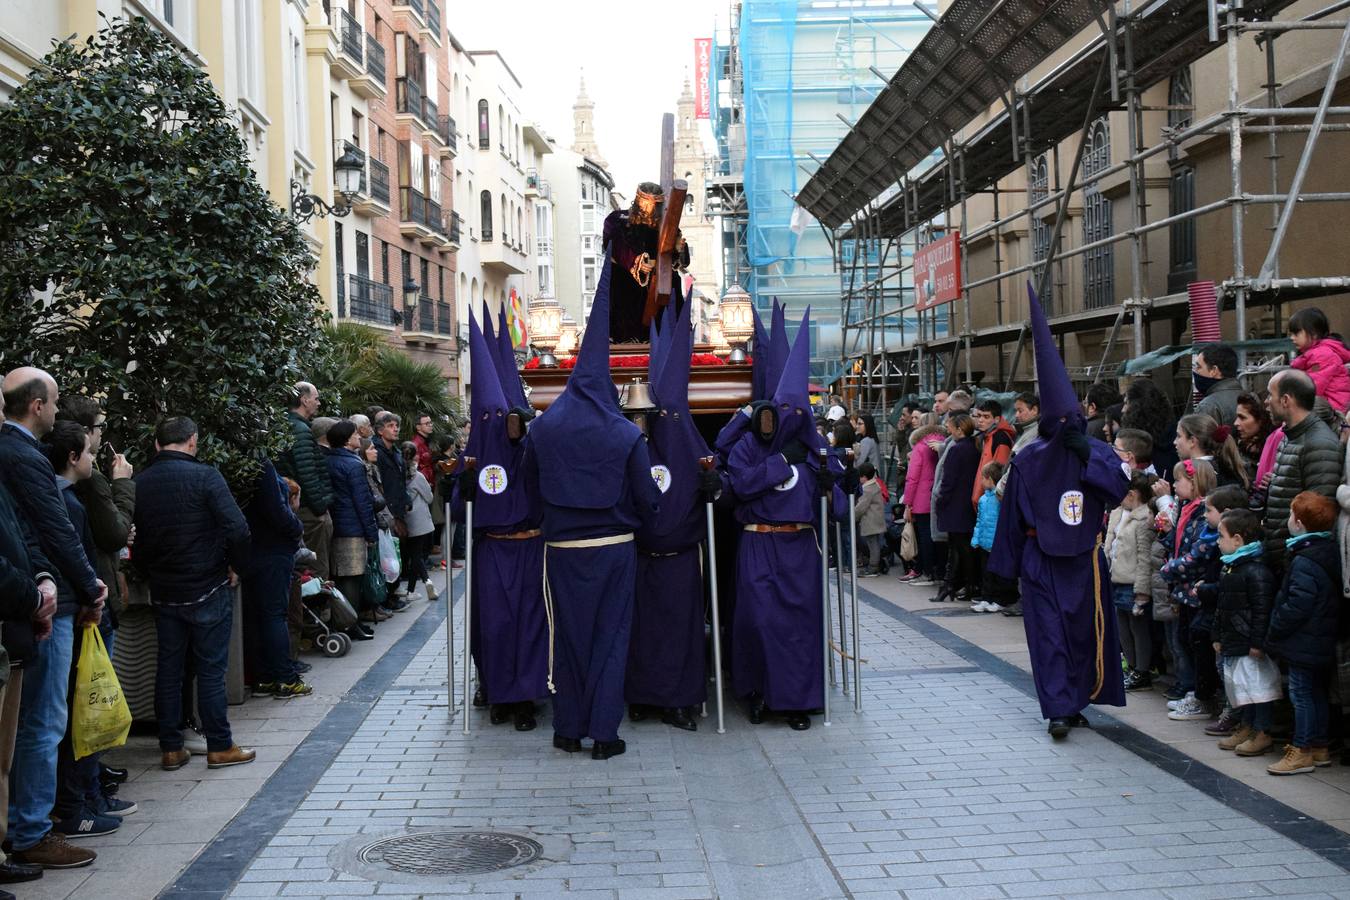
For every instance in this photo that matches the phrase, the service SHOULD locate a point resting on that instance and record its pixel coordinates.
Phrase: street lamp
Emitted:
(567, 335)
(715, 336)
(347, 172)
(412, 295)
(738, 321)
(545, 321)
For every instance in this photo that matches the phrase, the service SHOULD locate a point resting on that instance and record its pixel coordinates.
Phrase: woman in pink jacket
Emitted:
(924, 444)
(1323, 357)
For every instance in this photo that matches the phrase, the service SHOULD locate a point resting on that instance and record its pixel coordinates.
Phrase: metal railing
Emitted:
(407, 96)
(375, 59)
(425, 313)
(368, 301)
(532, 178)
(412, 206)
(349, 36)
(430, 115)
(456, 222)
(434, 219)
(418, 6)
(445, 130)
(379, 181)
(444, 321)
(433, 17)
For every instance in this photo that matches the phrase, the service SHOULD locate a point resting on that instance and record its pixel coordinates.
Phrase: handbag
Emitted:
(1247, 680)
(909, 542)
(99, 716)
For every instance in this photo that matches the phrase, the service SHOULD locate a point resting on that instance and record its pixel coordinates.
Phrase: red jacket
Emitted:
(1325, 363)
(424, 464)
(995, 446)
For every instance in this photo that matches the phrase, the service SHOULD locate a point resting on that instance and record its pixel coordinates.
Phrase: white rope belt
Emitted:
(580, 544)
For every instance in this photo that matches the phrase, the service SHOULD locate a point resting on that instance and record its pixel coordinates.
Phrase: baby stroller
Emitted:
(327, 614)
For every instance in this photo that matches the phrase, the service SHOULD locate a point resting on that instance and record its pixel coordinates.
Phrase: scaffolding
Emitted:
(876, 190)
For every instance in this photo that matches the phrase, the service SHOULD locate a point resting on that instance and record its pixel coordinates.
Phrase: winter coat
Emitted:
(389, 460)
(1220, 401)
(274, 529)
(67, 603)
(870, 510)
(1304, 623)
(1246, 594)
(935, 529)
(986, 521)
(424, 463)
(995, 446)
(923, 456)
(353, 505)
(419, 494)
(189, 530)
(1193, 557)
(1310, 459)
(1158, 587)
(952, 504)
(111, 507)
(304, 464)
(1343, 526)
(1128, 547)
(25, 471)
(866, 450)
(18, 584)
(1026, 434)
(1325, 362)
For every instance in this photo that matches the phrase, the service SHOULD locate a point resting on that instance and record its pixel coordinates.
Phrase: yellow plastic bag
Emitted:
(99, 715)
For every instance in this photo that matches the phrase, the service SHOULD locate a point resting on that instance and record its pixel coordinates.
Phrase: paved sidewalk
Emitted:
(946, 785)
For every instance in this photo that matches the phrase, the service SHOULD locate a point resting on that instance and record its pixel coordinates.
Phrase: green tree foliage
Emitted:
(140, 260)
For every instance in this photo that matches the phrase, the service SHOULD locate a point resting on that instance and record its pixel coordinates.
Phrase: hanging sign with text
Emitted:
(702, 74)
(937, 272)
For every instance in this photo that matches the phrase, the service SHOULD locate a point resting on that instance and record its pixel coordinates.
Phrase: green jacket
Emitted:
(1308, 460)
(305, 464)
(111, 507)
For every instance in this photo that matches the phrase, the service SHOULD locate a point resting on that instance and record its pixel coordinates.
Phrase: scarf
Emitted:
(1246, 550)
(1291, 542)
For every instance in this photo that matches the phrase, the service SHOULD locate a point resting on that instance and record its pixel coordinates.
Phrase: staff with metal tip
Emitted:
(468, 490)
(851, 488)
(826, 484)
(447, 468)
(711, 487)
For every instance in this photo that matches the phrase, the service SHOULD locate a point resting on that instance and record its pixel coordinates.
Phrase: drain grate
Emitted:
(451, 852)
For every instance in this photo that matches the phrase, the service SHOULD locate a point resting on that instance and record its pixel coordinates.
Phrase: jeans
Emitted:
(267, 594)
(42, 722)
(1181, 655)
(1312, 713)
(77, 779)
(204, 630)
(1257, 715)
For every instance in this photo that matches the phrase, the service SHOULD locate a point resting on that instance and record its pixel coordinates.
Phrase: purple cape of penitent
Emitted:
(503, 498)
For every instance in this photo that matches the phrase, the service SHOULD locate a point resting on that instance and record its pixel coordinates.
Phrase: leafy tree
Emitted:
(140, 260)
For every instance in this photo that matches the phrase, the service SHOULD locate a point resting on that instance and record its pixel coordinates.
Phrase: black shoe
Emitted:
(679, 717)
(301, 667)
(606, 749)
(637, 712)
(757, 712)
(524, 716)
(360, 632)
(112, 773)
(1079, 721)
(942, 595)
(497, 714)
(479, 700)
(798, 721)
(1059, 726)
(570, 745)
(14, 873)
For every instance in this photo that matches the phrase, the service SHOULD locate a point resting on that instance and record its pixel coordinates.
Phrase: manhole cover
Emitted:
(452, 852)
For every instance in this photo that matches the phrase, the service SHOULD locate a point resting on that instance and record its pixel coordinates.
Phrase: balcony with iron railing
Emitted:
(433, 19)
(456, 226)
(366, 301)
(436, 221)
(445, 323)
(379, 182)
(430, 117)
(371, 82)
(446, 136)
(350, 59)
(418, 7)
(407, 97)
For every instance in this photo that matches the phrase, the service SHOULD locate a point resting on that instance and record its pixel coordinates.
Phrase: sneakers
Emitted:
(235, 756)
(1138, 681)
(1014, 611)
(401, 592)
(1258, 743)
(868, 573)
(264, 689)
(1226, 725)
(112, 806)
(53, 852)
(457, 564)
(909, 576)
(1239, 736)
(431, 591)
(923, 581)
(296, 688)
(1175, 692)
(1296, 761)
(193, 740)
(86, 824)
(984, 606)
(1189, 710)
(1321, 756)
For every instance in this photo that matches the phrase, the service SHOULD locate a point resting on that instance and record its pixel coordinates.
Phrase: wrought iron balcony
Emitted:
(433, 17)
(379, 181)
(407, 97)
(435, 219)
(445, 133)
(367, 301)
(430, 115)
(444, 319)
(456, 222)
(372, 81)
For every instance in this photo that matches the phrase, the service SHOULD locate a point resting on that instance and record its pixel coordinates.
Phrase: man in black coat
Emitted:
(394, 482)
(191, 539)
(30, 409)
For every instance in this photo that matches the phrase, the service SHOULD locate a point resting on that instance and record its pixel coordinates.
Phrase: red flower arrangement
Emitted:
(637, 362)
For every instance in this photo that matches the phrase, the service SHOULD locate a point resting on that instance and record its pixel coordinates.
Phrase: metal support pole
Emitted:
(716, 622)
(825, 594)
(1273, 140)
(1235, 173)
(1138, 201)
(450, 621)
(839, 599)
(853, 593)
(965, 257)
(468, 608)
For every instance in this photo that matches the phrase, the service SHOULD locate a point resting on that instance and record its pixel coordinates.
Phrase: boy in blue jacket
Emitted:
(986, 522)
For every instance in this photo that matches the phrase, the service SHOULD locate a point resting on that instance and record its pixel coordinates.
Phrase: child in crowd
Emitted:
(870, 514)
(1129, 540)
(986, 523)
(1134, 446)
(1246, 591)
(1303, 628)
(1321, 355)
(1192, 551)
(1219, 501)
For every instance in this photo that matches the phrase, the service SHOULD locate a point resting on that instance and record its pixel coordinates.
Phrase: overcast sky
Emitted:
(635, 57)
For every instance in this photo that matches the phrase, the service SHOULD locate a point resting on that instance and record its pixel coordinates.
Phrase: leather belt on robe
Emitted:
(778, 529)
(515, 535)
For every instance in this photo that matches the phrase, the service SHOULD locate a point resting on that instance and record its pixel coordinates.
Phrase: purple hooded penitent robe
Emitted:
(1049, 536)
(595, 479)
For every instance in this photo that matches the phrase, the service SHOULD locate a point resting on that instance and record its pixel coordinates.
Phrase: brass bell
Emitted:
(637, 396)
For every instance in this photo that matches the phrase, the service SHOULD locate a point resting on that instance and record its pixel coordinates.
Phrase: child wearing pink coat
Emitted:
(1323, 357)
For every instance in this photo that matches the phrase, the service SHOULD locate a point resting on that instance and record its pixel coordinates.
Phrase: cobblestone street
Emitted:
(946, 785)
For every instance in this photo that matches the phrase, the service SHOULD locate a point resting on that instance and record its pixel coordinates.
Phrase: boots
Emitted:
(1296, 761)
(1238, 736)
(1258, 743)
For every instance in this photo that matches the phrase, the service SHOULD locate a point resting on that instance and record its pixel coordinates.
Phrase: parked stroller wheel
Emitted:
(331, 644)
(346, 642)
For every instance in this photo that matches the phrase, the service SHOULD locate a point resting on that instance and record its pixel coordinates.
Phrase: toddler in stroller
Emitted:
(330, 621)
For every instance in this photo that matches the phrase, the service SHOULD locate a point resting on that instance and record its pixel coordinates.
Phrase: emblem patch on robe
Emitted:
(661, 475)
(492, 479)
(790, 483)
(1071, 508)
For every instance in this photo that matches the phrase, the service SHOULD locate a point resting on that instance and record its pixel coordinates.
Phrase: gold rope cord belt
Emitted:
(516, 535)
(779, 529)
(581, 544)
(1098, 619)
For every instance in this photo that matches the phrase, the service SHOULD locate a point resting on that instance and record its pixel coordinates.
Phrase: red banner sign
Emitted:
(702, 74)
(937, 272)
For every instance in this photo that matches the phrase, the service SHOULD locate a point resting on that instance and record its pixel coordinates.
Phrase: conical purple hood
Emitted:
(501, 497)
(758, 371)
(674, 442)
(792, 395)
(506, 364)
(1059, 401)
(778, 347)
(582, 441)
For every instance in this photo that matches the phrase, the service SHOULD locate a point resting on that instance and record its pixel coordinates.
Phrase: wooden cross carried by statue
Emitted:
(674, 191)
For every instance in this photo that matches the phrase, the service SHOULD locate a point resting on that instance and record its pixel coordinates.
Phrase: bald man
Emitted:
(30, 412)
